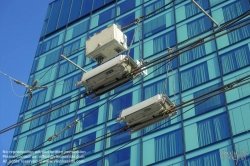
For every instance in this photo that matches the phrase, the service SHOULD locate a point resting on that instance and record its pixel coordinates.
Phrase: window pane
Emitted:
(209, 159)
(168, 145)
(86, 7)
(54, 16)
(213, 129)
(64, 13)
(211, 103)
(89, 121)
(75, 10)
(235, 59)
(117, 105)
(194, 76)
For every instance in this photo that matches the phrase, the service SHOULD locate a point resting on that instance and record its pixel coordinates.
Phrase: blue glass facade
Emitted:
(197, 137)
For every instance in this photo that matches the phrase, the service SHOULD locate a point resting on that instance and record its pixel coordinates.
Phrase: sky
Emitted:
(20, 27)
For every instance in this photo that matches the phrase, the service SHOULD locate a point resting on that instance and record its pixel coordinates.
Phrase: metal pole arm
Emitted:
(73, 64)
(205, 12)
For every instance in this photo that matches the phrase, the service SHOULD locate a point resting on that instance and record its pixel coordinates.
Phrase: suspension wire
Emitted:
(105, 103)
(201, 101)
(10, 78)
(166, 57)
(16, 159)
(139, 38)
(56, 135)
(18, 124)
(143, 17)
(67, 152)
(54, 157)
(166, 80)
(173, 77)
(131, 43)
(172, 74)
(14, 90)
(187, 40)
(237, 7)
(226, 88)
(78, 48)
(201, 40)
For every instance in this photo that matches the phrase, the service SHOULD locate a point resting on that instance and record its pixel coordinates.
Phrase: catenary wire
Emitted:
(167, 57)
(187, 40)
(10, 78)
(227, 87)
(93, 110)
(11, 84)
(142, 17)
(199, 102)
(203, 100)
(107, 102)
(201, 40)
(18, 124)
(45, 73)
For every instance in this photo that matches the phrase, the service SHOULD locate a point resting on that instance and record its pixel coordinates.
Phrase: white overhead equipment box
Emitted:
(109, 75)
(106, 44)
(147, 112)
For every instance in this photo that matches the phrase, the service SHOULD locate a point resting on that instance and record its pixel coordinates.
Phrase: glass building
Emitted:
(201, 136)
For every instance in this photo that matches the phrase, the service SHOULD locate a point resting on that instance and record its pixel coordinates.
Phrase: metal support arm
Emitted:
(205, 12)
(74, 64)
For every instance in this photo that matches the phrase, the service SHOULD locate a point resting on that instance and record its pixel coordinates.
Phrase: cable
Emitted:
(228, 87)
(163, 58)
(10, 78)
(54, 157)
(201, 40)
(56, 135)
(203, 100)
(185, 41)
(18, 124)
(14, 90)
(143, 17)
(45, 73)
(237, 7)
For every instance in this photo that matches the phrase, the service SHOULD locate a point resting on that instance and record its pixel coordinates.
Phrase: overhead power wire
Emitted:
(57, 134)
(167, 56)
(221, 90)
(44, 75)
(201, 101)
(136, 71)
(10, 78)
(143, 17)
(211, 28)
(201, 40)
(18, 124)
(228, 87)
